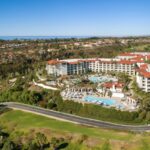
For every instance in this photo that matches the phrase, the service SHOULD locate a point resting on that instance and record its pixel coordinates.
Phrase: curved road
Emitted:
(75, 119)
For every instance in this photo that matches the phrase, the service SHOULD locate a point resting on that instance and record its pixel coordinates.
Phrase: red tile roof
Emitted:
(136, 60)
(53, 62)
(144, 66)
(148, 56)
(111, 84)
(128, 62)
(126, 54)
(107, 61)
(143, 71)
(73, 62)
(134, 55)
(90, 60)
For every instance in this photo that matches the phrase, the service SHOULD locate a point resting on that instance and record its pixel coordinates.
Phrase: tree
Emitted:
(32, 146)
(3, 137)
(51, 105)
(55, 143)
(8, 145)
(142, 115)
(35, 97)
(148, 116)
(41, 140)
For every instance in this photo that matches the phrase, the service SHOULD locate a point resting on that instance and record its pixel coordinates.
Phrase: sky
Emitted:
(74, 17)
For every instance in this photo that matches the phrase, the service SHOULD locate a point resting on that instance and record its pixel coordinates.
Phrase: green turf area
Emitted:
(23, 122)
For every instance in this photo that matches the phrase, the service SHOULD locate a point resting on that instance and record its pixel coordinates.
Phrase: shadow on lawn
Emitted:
(61, 146)
(4, 108)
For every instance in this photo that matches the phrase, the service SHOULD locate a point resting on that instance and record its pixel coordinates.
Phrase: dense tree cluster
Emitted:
(39, 142)
(14, 69)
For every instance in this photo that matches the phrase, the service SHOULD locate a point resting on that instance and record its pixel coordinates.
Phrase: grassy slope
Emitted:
(22, 121)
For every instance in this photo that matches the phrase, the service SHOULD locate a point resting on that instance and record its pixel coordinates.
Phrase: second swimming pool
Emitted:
(105, 101)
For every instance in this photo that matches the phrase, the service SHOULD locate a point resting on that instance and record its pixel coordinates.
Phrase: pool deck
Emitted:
(118, 102)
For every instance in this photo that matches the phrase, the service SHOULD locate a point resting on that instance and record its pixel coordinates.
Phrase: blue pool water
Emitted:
(105, 101)
(97, 79)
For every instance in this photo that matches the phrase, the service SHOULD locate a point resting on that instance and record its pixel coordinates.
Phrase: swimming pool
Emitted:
(97, 79)
(104, 101)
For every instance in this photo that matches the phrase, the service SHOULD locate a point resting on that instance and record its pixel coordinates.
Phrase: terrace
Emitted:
(100, 90)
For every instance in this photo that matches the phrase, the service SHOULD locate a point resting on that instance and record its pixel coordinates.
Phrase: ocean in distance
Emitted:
(38, 37)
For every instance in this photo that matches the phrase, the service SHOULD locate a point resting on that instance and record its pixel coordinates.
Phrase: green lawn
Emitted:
(23, 121)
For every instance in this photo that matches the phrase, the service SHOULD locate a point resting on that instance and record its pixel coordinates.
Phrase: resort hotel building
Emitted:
(143, 77)
(81, 66)
(130, 63)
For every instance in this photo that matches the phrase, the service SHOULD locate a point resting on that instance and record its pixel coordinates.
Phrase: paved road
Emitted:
(77, 119)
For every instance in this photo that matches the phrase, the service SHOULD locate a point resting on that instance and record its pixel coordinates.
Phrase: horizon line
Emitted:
(144, 35)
